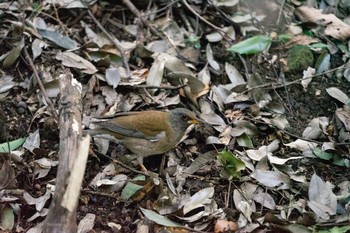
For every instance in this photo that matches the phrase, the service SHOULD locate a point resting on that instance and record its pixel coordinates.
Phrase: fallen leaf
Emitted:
(333, 26)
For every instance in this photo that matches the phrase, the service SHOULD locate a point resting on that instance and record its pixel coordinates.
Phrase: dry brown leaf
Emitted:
(225, 226)
(301, 40)
(334, 26)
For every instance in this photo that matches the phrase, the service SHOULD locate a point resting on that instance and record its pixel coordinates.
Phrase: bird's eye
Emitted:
(184, 117)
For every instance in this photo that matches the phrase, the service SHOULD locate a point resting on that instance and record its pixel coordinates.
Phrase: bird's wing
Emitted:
(150, 125)
(127, 132)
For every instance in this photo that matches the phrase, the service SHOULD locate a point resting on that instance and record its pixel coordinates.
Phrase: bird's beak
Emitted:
(195, 121)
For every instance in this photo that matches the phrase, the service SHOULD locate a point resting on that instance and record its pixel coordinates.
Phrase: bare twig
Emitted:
(41, 85)
(123, 165)
(95, 193)
(302, 138)
(272, 85)
(244, 65)
(203, 19)
(138, 14)
(157, 87)
(280, 13)
(114, 40)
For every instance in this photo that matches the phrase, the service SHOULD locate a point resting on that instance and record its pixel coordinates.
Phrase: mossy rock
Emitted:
(300, 57)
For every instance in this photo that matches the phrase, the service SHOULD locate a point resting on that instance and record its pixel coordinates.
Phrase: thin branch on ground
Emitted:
(275, 86)
(123, 165)
(41, 85)
(289, 133)
(96, 193)
(138, 14)
(157, 87)
(203, 19)
(281, 12)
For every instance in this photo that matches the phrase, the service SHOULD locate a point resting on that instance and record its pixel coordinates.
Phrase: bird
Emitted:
(146, 133)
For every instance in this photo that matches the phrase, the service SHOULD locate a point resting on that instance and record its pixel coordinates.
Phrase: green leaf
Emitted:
(285, 37)
(7, 218)
(159, 219)
(129, 190)
(340, 161)
(232, 166)
(323, 62)
(245, 141)
(10, 146)
(318, 46)
(252, 45)
(322, 154)
(336, 230)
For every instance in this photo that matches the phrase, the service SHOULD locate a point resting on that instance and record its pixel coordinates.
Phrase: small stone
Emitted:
(21, 104)
(37, 186)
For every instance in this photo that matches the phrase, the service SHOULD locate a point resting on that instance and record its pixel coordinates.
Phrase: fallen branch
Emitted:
(72, 159)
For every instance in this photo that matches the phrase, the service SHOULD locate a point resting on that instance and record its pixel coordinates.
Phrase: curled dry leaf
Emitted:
(73, 60)
(43, 166)
(37, 46)
(32, 141)
(155, 75)
(301, 145)
(316, 127)
(263, 151)
(216, 36)
(343, 114)
(7, 176)
(214, 64)
(199, 199)
(38, 202)
(280, 161)
(334, 26)
(307, 77)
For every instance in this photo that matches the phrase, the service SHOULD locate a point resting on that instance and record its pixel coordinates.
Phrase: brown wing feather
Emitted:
(149, 123)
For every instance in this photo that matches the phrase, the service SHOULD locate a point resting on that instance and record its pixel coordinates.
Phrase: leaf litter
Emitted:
(273, 152)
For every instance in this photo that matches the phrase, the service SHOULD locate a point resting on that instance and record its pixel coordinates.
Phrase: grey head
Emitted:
(182, 118)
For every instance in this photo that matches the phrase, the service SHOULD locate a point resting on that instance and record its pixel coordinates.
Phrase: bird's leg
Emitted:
(140, 161)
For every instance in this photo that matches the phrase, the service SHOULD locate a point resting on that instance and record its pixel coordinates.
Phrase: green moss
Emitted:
(300, 57)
